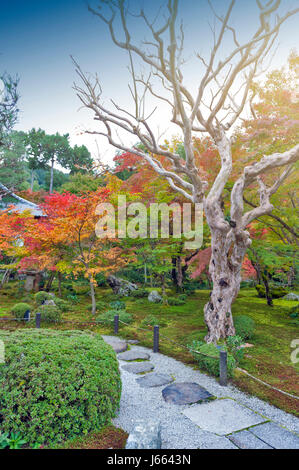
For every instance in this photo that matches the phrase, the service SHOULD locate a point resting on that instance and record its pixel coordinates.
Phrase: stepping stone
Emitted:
(117, 344)
(133, 355)
(138, 367)
(247, 440)
(223, 417)
(133, 341)
(185, 393)
(276, 436)
(154, 380)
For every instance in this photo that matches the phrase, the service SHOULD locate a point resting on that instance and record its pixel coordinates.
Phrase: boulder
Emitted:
(154, 297)
(291, 296)
(121, 286)
(50, 302)
(145, 435)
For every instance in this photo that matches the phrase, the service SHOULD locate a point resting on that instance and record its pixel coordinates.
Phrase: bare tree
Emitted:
(224, 91)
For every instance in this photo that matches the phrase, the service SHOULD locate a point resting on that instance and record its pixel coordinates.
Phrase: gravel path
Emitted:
(178, 431)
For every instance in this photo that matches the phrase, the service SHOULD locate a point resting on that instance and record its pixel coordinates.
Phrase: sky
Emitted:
(38, 37)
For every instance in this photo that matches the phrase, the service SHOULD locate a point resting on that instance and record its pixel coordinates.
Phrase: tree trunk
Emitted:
(179, 274)
(51, 176)
(50, 281)
(93, 298)
(145, 273)
(267, 290)
(59, 284)
(228, 251)
(32, 180)
(4, 278)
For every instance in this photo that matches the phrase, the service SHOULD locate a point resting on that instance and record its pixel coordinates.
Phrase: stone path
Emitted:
(194, 410)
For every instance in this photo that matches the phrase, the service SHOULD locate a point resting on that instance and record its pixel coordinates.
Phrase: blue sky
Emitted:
(37, 38)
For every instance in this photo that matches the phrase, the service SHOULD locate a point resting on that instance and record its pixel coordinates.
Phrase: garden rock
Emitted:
(117, 344)
(291, 296)
(138, 367)
(145, 435)
(185, 393)
(121, 286)
(49, 302)
(154, 380)
(133, 355)
(154, 297)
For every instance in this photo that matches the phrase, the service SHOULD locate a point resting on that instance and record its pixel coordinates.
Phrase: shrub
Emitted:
(63, 305)
(183, 297)
(210, 364)
(108, 317)
(244, 326)
(294, 311)
(276, 292)
(118, 305)
(49, 313)
(41, 296)
(233, 344)
(139, 293)
(80, 289)
(20, 309)
(57, 384)
(152, 321)
(175, 301)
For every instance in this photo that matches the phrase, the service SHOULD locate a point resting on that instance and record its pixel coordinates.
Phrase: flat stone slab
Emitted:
(138, 367)
(154, 380)
(119, 345)
(185, 393)
(223, 417)
(276, 436)
(133, 355)
(133, 341)
(247, 440)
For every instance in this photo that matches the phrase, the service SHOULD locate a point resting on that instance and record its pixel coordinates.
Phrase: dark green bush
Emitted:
(108, 317)
(49, 313)
(294, 311)
(175, 301)
(63, 305)
(244, 326)
(117, 305)
(20, 309)
(233, 344)
(41, 296)
(276, 292)
(151, 320)
(183, 297)
(139, 293)
(56, 385)
(210, 364)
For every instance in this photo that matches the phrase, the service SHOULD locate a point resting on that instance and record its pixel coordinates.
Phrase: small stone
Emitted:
(145, 435)
(133, 355)
(154, 380)
(185, 393)
(117, 344)
(154, 297)
(138, 367)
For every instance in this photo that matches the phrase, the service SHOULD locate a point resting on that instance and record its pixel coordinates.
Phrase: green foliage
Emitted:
(210, 364)
(73, 380)
(41, 296)
(244, 326)
(20, 309)
(151, 320)
(276, 292)
(107, 318)
(81, 183)
(49, 313)
(139, 293)
(80, 289)
(175, 301)
(233, 344)
(62, 304)
(101, 280)
(13, 441)
(183, 297)
(117, 305)
(294, 311)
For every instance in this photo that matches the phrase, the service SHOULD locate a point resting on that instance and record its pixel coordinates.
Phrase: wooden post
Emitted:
(223, 368)
(156, 339)
(37, 320)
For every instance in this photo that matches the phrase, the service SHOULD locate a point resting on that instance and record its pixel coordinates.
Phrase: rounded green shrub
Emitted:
(63, 305)
(55, 385)
(107, 318)
(139, 293)
(294, 311)
(183, 297)
(175, 301)
(244, 326)
(81, 289)
(41, 296)
(49, 313)
(117, 305)
(276, 292)
(20, 309)
(151, 320)
(210, 364)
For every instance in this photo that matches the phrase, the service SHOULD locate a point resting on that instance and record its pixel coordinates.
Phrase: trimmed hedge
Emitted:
(20, 309)
(139, 293)
(41, 296)
(276, 292)
(210, 364)
(175, 301)
(107, 318)
(56, 385)
(49, 313)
